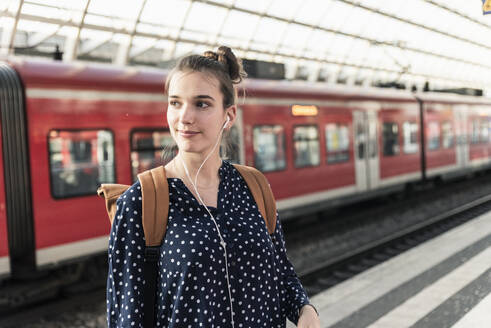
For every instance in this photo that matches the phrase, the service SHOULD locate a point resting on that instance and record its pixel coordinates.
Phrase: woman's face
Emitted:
(195, 112)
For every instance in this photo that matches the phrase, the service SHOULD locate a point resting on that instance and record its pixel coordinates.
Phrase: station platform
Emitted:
(444, 282)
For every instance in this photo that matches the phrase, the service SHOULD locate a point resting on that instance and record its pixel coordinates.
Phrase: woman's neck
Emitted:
(208, 175)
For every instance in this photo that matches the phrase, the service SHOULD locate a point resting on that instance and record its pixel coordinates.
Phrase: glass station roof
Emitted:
(339, 41)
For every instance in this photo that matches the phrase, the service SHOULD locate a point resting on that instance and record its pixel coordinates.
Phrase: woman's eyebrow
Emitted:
(197, 97)
(204, 97)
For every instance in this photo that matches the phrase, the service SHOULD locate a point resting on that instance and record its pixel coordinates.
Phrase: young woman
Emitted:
(218, 265)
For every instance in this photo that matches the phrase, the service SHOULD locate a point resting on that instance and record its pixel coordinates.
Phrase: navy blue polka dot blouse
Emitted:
(191, 283)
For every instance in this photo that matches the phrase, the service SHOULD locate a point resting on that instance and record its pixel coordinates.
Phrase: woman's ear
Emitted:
(231, 113)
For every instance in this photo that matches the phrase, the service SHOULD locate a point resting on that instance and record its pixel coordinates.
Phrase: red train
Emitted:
(66, 128)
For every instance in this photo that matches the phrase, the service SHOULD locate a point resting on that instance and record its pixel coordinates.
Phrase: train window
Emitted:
(337, 142)
(80, 161)
(306, 145)
(390, 137)
(361, 138)
(146, 149)
(410, 132)
(269, 148)
(484, 135)
(433, 135)
(475, 131)
(447, 135)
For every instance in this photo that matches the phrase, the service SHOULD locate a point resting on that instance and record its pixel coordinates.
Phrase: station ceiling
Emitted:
(443, 42)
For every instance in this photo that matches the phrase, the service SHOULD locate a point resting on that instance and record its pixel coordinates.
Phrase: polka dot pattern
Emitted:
(191, 284)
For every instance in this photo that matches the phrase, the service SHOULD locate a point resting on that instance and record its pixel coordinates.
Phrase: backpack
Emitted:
(154, 187)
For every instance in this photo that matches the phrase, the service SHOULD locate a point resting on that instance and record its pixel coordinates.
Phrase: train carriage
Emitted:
(457, 134)
(66, 128)
(331, 149)
(440, 138)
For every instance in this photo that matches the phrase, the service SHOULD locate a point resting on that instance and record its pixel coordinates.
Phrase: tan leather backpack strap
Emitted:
(269, 200)
(111, 192)
(262, 193)
(155, 204)
(155, 208)
(255, 189)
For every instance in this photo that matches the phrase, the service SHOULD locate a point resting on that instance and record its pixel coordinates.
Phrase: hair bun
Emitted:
(211, 54)
(231, 64)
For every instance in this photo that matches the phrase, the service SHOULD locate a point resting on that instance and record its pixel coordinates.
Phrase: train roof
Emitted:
(441, 97)
(322, 90)
(38, 73)
(42, 73)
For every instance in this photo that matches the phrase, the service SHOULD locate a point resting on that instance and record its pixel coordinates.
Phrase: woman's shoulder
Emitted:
(128, 210)
(243, 171)
(240, 167)
(132, 195)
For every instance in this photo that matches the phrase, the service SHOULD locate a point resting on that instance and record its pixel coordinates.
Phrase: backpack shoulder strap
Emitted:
(111, 192)
(261, 191)
(155, 209)
(155, 204)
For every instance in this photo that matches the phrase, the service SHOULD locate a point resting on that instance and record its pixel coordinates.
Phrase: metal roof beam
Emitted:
(172, 50)
(91, 45)
(453, 11)
(157, 36)
(8, 32)
(37, 39)
(135, 52)
(71, 44)
(256, 27)
(410, 22)
(124, 48)
(215, 37)
(356, 4)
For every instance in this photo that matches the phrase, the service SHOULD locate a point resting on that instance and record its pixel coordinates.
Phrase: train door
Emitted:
(373, 159)
(461, 135)
(366, 150)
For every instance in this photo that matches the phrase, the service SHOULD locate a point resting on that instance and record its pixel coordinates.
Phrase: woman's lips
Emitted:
(187, 134)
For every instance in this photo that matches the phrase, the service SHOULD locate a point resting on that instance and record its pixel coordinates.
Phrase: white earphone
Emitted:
(226, 122)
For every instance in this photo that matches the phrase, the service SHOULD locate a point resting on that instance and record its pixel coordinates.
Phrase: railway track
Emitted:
(66, 311)
(333, 271)
(63, 290)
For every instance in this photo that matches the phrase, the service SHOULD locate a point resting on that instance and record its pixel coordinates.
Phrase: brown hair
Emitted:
(225, 67)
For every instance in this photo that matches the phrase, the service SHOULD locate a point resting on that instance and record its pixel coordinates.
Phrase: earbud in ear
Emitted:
(226, 122)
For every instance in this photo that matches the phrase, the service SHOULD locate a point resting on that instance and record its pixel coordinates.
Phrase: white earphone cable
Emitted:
(222, 241)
